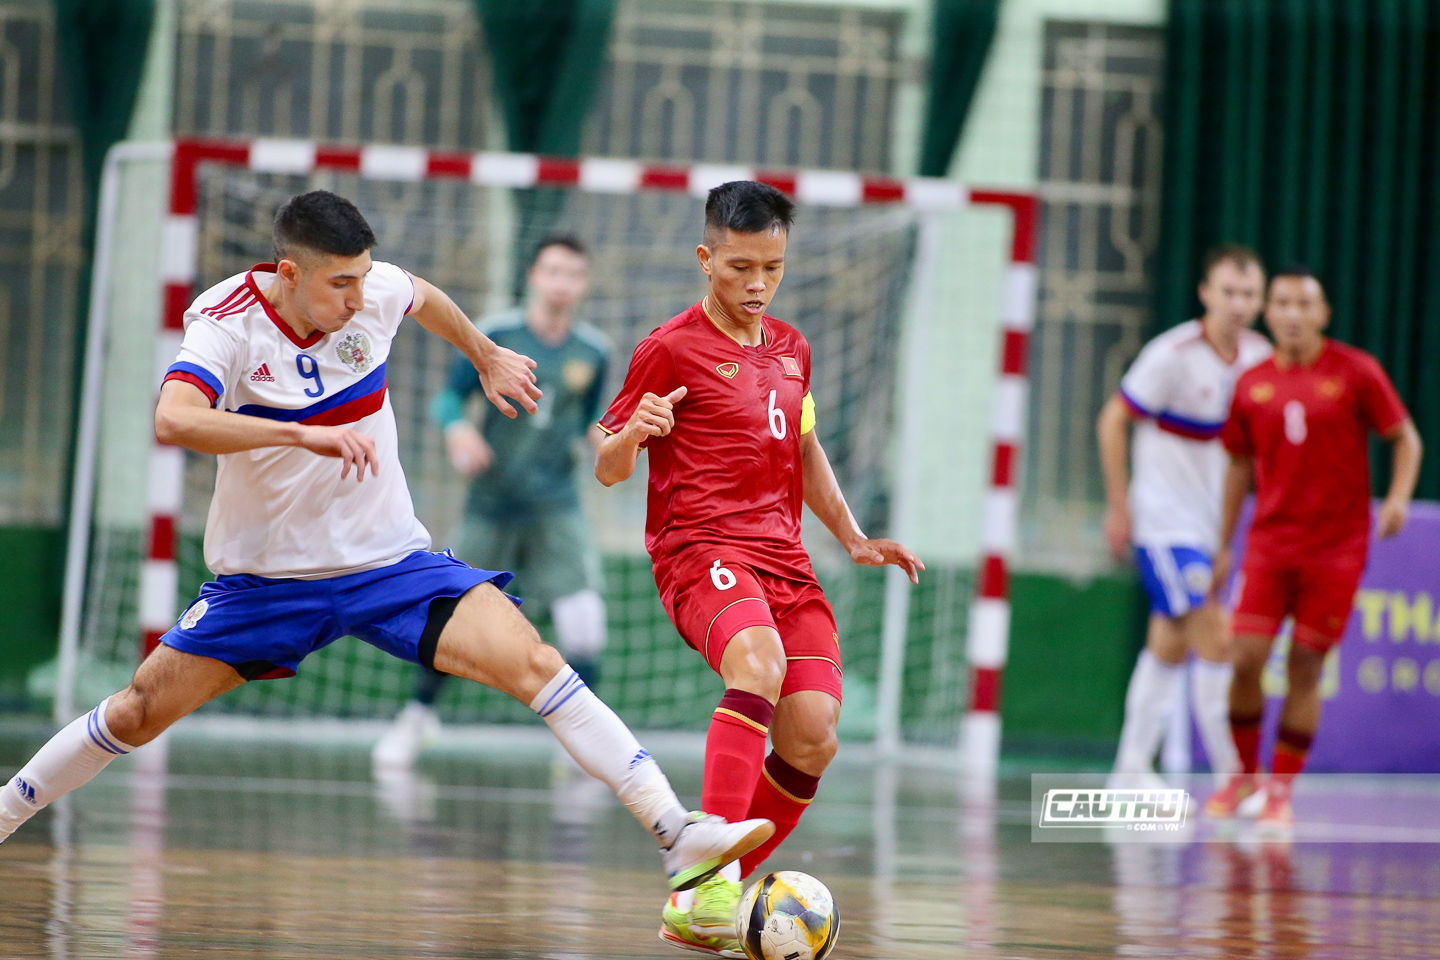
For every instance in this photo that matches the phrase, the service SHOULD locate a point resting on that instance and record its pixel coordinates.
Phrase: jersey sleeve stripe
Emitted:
(1193, 429)
(238, 307)
(371, 389)
(412, 293)
(239, 293)
(1135, 406)
(193, 373)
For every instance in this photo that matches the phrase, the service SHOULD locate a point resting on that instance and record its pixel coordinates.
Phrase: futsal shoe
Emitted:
(1225, 802)
(713, 912)
(675, 930)
(416, 727)
(706, 843)
(1278, 817)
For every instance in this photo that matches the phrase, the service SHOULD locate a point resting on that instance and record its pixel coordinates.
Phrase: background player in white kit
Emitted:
(281, 372)
(1179, 390)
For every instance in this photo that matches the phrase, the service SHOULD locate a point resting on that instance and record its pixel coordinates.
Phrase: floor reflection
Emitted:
(282, 850)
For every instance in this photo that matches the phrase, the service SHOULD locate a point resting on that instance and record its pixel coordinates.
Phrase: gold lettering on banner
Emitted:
(1411, 616)
(1404, 674)
(1417, 616)
(1371, 604)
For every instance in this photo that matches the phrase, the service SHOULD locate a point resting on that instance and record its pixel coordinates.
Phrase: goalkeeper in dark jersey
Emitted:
(523, 511)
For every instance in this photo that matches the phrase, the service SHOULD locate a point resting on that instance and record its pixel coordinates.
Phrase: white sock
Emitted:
(580, 624)
(602, 744)
(69, 760)
(1210, 689)
(1175, 751)
(1147, 704)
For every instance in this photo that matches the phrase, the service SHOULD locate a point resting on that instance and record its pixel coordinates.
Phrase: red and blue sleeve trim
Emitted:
(1171, 423)
(355, 402)
(198, 376)
(1190, 429)
(1135, 406)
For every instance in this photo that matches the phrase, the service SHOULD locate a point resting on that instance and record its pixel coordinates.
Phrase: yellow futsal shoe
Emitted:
(713, 912)
(675, 930)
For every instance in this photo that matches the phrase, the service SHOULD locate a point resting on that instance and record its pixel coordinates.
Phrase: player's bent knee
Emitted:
(822, 743)
(1304, 666)
(754, 661)
(1251, 651)
(545, 662)
(134, 715)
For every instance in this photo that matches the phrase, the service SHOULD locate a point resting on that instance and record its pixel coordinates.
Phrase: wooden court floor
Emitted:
(261, 847)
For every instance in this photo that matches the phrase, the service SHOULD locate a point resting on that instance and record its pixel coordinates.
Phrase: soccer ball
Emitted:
(787, 916)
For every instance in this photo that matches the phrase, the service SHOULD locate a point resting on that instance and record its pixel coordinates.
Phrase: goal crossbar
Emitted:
(988, 633)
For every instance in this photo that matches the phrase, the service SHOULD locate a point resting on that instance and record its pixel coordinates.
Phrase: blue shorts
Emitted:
(264, 628)
(1176, 579)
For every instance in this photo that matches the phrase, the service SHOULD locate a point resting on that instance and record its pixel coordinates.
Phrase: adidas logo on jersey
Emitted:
(263, 374)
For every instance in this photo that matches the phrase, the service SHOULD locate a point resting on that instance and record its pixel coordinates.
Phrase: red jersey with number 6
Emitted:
(729, 472)
(1307, 429)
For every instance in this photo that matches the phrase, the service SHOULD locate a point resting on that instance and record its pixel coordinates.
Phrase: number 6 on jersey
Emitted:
(777, 419)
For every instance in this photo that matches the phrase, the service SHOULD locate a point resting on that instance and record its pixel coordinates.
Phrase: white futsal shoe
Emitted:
(706, 843)
(415, 728)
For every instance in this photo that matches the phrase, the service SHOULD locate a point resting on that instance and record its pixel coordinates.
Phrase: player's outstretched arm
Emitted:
(654, 417)
(825, 499)
(1404, 472)
(183, 417)
(1239, 477)
(503, 372)
(1112, 429)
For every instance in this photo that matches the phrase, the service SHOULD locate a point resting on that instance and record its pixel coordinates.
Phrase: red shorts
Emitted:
(711, 598)
(1318, 593)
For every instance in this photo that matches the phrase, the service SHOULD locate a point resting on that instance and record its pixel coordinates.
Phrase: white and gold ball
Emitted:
(787, 916)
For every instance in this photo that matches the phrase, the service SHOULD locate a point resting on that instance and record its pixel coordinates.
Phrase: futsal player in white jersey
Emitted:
(312, 534)
(1177, 393)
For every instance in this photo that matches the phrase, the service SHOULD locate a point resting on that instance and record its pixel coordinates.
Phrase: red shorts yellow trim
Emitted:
(1319, 593)
(713, 599)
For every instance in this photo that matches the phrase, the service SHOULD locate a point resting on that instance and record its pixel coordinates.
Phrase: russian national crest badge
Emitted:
(354, 351)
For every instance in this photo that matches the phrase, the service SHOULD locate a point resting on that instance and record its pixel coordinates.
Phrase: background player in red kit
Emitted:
(720, 396)
(1299, 429)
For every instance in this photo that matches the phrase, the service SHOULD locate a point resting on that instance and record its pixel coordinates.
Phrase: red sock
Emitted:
(734, 751)
(1245, 729)
(1291, 749)
(782, 795)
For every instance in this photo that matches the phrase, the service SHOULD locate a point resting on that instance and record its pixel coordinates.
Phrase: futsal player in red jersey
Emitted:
(720, 396)
(1299, 428)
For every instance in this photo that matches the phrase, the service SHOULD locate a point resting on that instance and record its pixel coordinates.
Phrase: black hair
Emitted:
(1299, 271)
(746, 206)
(322, 222)
(567, 240)
(1236, 253)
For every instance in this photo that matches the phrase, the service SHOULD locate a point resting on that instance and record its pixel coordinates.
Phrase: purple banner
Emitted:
(1381, 685)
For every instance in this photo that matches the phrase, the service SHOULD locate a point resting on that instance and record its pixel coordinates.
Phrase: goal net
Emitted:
(848, 276)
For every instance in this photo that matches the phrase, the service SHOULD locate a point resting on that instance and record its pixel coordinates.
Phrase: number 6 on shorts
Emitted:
(721, 577)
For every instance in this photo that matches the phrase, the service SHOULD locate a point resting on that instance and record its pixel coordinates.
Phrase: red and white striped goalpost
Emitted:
(990, 613)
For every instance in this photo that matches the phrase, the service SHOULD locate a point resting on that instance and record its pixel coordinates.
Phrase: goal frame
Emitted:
(987, 637)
